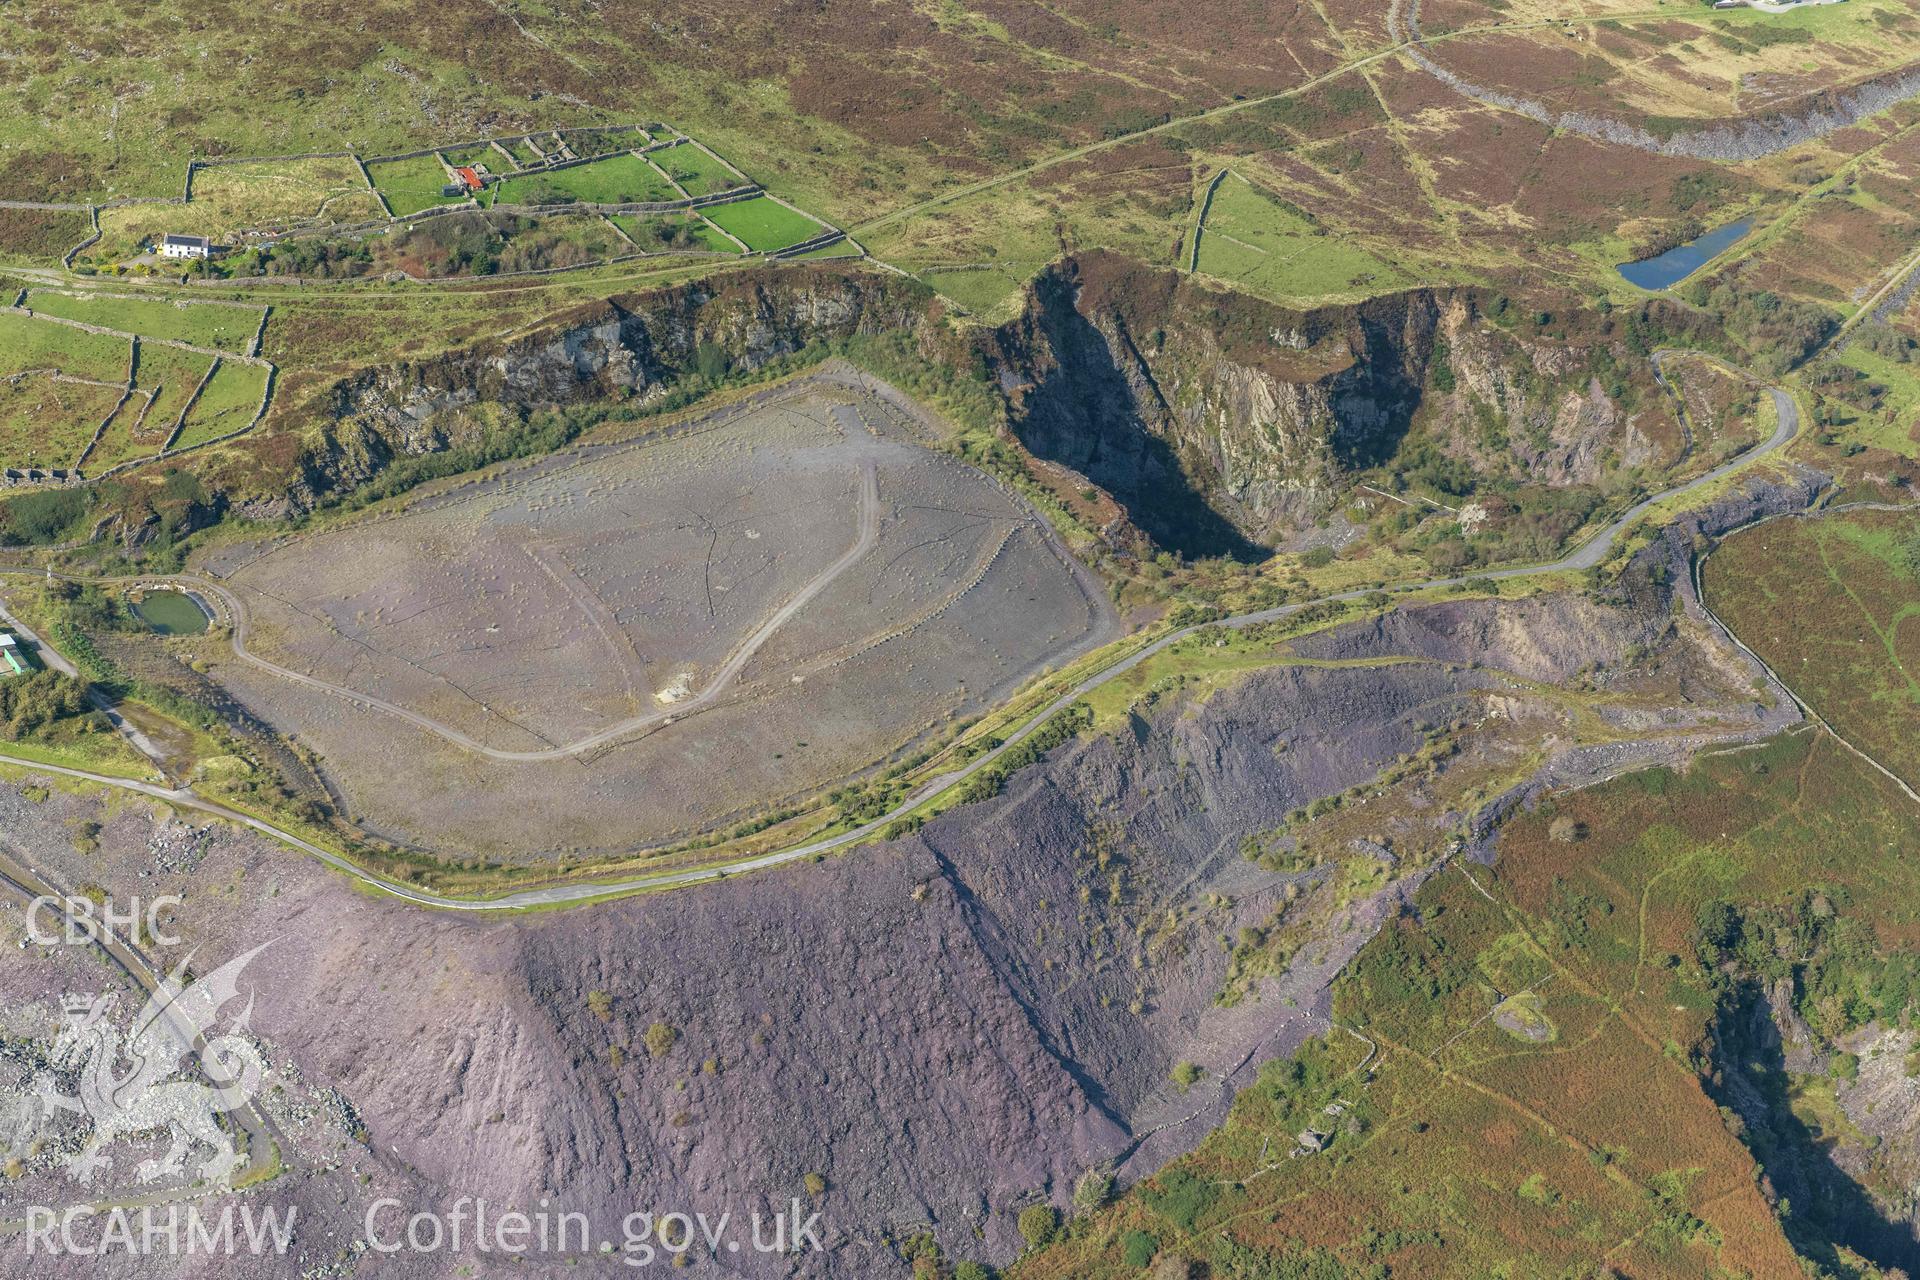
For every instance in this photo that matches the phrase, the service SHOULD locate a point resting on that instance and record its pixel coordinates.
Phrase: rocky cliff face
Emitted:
(632, 346)
(1216, 421)
(628, 348)
(1222, 423)
(1849, 1183)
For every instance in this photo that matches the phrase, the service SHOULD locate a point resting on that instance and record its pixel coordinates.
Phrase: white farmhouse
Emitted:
(172, 246)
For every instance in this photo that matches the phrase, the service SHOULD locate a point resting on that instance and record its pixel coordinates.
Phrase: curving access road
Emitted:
(1587, 556)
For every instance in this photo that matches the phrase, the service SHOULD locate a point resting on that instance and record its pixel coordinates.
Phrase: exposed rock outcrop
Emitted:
(633, 348)
(1216, 420)
(1223, 423)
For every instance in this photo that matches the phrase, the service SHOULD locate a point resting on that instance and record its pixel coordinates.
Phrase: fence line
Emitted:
(821, 241)
(136, 297)
(527, 138)
(654, 136)
(99, 432)
(1200, 223)
(210, 162)
(260, 331)
(128, 202)
(725, 163)
(93, 217)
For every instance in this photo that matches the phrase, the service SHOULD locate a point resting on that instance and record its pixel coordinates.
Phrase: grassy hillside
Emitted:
(863, 109)
(1544, 1092)
(1831, 604)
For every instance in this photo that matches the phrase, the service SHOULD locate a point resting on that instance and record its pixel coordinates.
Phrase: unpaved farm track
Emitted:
(1587, 556)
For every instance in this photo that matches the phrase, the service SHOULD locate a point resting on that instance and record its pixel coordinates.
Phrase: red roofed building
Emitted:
(468, 176)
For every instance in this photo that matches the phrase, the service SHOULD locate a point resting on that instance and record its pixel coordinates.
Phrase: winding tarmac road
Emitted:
(1588, 556)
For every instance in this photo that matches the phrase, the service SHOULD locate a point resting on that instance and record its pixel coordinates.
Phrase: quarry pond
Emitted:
(170, 613)
(1676, 264)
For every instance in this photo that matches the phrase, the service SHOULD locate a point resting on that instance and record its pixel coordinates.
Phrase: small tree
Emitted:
(1566, 830)
(1172, 1266)
(971, 1271)
(660, 1039)
(1037, 1223)
(1093, 1190)
(1138, 1248)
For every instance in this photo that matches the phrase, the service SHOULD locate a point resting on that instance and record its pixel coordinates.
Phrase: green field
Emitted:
(1254, 241)
(838, 249)
(1890, 426)
(697, 171)
(171, 375)
(229, 328)
(978, 289)
(47, 423)
(412, 185)
(26, 343)
(764, 224)
(522, 152)
(229, 199)
(621, 179)
(663, 232)
(227, 404)
(597, 142)
(270, 192)
(710, 237)
(482, 154)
